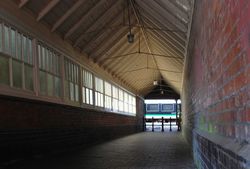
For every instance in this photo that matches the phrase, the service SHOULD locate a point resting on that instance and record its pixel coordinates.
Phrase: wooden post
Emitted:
(144, 124)
(153, 124)
(176, 111)
(162, 124)
(170, 129)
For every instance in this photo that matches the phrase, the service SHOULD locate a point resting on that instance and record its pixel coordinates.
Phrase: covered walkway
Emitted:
(146, 150)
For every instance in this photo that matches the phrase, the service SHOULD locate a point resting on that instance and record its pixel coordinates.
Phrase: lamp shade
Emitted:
(130, 37)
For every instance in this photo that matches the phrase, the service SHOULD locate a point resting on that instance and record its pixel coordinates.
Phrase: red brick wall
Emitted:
(29, 127)
(216, 88)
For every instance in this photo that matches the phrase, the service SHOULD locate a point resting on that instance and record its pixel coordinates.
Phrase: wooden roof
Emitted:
(99, 28)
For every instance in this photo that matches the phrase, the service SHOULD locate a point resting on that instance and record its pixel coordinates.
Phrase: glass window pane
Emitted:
(28, 70)
(6, 39)
(66, 90)
(30, 51)
(13, 43)
(43, 83)
(96, 99)
(83, 95)
(1, 36)
(115, 104)
(19, 46)
(71, 91)
(120, 106)
(107, 88)
(101, 96)
(50, 84)
(57, 87)
(91, 97)
(115, 92)
(17, 73)
(25, 51)
(87, 96)
(50, 64)
(4, 70)
(76, 92)
(43, 58)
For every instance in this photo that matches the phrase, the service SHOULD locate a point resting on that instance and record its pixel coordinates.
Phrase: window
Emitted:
(133, 105)
(71, 80)
(115, 98)
(130, 104)
(98, 92)
(87, 88)
(126, 102)
(108, 96)
(49, 71)
(18, 59)
(17, 48)
(121, 100)
(4, 70)
(1, 37)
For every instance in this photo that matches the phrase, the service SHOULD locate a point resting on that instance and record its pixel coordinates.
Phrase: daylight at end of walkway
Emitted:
(147, 150)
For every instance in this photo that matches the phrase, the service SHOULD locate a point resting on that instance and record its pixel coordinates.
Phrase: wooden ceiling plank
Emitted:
(127, 48)
(100, 19)
(160, 20)
(163, 13)
(177, 51)
(169, 40)
(120, 48)
(177, 62)
(114, 21)
(46, 9)
(111, 39)
(82, 19)
(22, 3)
(70, 11)
(159, 45)
(126, 63)
(174, 11)
(132, 2)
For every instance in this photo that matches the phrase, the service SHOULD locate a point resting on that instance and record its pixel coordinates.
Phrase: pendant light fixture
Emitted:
(130, 36)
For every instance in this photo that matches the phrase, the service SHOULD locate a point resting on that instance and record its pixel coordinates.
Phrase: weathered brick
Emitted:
(217, 93)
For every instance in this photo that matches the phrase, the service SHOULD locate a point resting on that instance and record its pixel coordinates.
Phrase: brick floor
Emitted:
(148, 150)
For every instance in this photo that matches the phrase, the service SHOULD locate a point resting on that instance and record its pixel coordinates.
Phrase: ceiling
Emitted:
(99, 28)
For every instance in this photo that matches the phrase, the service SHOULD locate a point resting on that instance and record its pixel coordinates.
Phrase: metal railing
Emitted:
(162, 122)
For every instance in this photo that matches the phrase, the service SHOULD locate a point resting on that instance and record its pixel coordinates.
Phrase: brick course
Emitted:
(216, 84)
(31, 127)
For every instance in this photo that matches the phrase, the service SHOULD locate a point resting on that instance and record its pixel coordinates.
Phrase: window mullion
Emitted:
(36, 66)
(62, 72)
(23, 75)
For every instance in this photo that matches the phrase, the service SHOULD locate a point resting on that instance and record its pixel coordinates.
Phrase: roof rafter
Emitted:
(158, 18)
(83, 18)
(119, 48)
(22, 3)
(107, 43)
(47, 8)
(115, 64)
(97, 22)
(67, 14)
(173, 44)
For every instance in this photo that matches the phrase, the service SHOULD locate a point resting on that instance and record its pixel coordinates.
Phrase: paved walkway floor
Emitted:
(148, 150)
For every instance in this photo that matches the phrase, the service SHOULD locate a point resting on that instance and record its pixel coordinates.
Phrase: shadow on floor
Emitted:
(147, 150)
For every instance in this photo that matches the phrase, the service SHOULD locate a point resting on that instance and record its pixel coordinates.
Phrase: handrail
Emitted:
(163, 123)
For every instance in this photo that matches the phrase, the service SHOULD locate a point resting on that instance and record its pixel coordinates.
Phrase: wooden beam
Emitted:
(142, 30)
(113, 21)
(67, 14)
(96, 24)
(22, 3)
(46, 9)
(83, 18)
